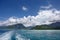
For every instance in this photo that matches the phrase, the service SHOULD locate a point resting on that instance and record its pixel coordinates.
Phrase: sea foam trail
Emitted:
(19, 37)
(11, 35)
(6, 35)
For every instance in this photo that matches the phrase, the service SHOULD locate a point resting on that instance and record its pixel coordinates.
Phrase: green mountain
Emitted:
(55, 26)
(38, 27)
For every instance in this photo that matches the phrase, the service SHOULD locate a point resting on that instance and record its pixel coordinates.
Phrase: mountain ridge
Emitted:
(21, 26)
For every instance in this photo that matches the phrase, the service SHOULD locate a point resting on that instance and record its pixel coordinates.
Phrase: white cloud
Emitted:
(24, 8)
(46, 16)
(46, 7)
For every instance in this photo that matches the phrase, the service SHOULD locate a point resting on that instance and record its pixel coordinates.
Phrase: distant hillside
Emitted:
(51, 26)
(16, 26)
(55, 25)
(37, 27)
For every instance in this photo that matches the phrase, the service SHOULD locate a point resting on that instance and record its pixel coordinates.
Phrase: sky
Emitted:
(20, 8)
(27, 10)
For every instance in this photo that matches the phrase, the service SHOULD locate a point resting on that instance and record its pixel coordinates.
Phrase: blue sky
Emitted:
(29, 12)
(10, 8)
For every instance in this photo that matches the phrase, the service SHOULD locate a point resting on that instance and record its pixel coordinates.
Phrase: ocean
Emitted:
(29, 34)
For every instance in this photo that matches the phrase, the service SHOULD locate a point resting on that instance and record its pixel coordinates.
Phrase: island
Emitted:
(54, 26)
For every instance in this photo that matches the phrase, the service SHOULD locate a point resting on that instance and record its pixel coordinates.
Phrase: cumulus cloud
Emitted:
(46, 16)
(10, 21)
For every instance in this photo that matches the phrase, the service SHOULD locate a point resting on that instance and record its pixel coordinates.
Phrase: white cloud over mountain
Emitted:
(47, 16)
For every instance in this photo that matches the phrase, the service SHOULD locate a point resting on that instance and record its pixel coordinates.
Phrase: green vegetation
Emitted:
(43, 27)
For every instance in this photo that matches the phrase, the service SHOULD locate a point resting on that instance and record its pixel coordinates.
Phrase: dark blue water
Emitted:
(3, 31)
(30, 35)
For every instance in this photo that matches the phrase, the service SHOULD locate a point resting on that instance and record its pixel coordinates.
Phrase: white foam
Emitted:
(20, 37)
(6, 35)
(10, 34)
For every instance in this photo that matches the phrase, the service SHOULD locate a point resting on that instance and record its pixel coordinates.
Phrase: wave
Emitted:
(6, 35)
(11, 35)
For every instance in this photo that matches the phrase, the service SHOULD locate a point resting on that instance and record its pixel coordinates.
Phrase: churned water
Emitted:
(30, 35)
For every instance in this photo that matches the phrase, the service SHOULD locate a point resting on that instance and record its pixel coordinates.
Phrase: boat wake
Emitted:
(12, 36)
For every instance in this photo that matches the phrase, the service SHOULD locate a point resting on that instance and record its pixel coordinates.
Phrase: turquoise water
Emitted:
(30, 35)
